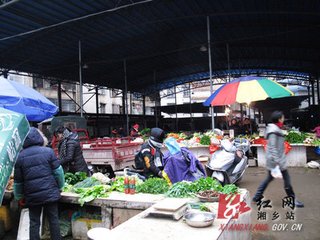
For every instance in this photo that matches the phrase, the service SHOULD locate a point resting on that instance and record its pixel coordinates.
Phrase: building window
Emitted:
(37, 82)
(102, 108)
(69, 87)
(186, 91)
(114, 93)
(68, 106)
(136, 96)
(46, 84)
(116, 108)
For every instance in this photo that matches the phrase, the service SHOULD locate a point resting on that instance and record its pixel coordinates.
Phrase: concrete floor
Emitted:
(306, 184)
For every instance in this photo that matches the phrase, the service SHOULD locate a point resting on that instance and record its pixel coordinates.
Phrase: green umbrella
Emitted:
(14, 128)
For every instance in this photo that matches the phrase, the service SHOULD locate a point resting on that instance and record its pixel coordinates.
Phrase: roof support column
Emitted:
(312, 91)
(318, 91)
(156, 100)
(176, 108)
(97, 110)
(210, 70)
(126, 94)
(144, 110)
(144, 105)
(59, 97)
(228, 59)
(309, 95)
(80, 81)
(97, 101)
(191, 117)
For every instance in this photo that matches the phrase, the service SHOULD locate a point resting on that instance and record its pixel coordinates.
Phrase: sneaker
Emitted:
(298, 204)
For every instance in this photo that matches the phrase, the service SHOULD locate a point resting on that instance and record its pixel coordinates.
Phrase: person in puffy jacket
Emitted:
(38, 178)
(70, 152)
(275, 156)
(150, 160)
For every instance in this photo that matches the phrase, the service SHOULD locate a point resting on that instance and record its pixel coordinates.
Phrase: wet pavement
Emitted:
(306, 184)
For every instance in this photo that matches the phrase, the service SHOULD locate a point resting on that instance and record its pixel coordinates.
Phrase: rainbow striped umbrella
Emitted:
(247, 90)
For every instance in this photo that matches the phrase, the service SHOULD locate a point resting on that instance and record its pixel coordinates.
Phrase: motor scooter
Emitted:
(229, 163)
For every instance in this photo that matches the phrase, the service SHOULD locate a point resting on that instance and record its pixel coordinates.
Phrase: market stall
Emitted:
(296, 157)
(126, 212)
(296, 146)
(116, 203)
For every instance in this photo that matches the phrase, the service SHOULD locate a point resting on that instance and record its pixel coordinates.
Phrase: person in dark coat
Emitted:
(38, 178)
(150, 160)
(70, 152)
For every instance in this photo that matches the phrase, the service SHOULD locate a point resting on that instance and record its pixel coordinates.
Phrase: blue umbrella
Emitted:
(23, 99)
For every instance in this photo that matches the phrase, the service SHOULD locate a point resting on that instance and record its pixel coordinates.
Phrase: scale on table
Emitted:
(173, 208)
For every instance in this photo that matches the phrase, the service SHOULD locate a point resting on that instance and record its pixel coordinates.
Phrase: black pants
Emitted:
(269, 178)
(50, 210)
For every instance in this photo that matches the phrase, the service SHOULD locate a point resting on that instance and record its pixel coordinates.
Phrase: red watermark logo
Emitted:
(230, 206)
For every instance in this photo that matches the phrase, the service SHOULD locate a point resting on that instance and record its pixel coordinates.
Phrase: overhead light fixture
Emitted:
(203, 48)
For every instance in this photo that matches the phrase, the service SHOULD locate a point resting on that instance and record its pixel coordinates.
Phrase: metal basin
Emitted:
(199, 219)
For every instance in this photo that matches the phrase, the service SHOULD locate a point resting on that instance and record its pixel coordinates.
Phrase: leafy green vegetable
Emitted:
(181, 189)
(316, 142)
(295, 137)
(72, 179)
(203, 207)
(153, 186)
(88, 182)
(205, 140)
(117, 184)
(89, 194)
(188, 189)
(207, 183)
(80, 176)
(67, 188)
(229, 189)
(145, 131)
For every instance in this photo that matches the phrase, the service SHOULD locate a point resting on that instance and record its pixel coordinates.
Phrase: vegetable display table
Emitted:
(297, 156)
(143, 227)
(118, 207)
(139, 226)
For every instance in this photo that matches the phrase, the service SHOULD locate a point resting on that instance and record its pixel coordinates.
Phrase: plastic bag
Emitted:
(276, 172)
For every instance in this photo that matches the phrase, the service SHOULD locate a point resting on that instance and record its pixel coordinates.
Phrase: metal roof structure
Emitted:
(163, 43)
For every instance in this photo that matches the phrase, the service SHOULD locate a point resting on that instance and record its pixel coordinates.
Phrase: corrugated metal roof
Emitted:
(158, 38)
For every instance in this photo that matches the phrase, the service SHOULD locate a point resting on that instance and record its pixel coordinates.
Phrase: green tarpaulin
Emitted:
(14, 128)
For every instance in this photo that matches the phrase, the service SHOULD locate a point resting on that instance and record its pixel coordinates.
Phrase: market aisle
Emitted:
(306, 184)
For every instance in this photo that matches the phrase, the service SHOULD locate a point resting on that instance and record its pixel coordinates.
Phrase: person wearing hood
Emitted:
(38, 179)
(275, 156)
(149, 158)
(70, 152)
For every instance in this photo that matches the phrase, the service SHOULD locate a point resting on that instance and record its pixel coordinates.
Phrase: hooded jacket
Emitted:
(73, 160)
(275, 153)
(38, 175)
